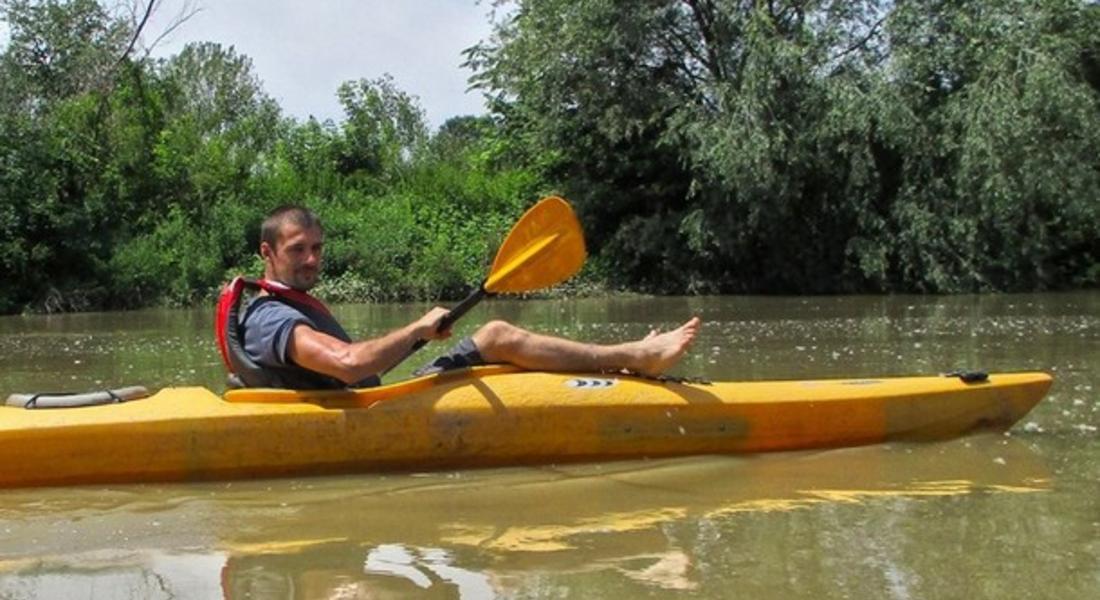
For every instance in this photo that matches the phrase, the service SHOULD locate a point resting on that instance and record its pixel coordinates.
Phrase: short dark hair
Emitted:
(287, 213)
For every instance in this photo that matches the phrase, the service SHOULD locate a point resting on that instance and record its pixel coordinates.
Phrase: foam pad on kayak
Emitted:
(71, 400)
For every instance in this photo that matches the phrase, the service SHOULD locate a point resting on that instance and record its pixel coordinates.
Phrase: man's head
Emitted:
(291, 240)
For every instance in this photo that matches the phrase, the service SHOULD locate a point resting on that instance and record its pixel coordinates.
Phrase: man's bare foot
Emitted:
(658, 352)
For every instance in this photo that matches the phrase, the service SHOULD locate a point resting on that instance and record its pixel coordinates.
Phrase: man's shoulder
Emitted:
(267, 327)
(269, 313)
(270, 310)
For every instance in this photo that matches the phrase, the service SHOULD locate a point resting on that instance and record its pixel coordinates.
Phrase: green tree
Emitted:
(219, 125)
(59, 49)
(219, 128)
(995, 131)
(683, 128)
(812, 146)
(383, 127)
(58, 73)
(127, 182)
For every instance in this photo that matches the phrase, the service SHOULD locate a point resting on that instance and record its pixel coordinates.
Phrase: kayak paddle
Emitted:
(546, 246)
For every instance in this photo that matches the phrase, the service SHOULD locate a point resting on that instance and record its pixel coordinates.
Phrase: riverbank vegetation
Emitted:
(710, 147)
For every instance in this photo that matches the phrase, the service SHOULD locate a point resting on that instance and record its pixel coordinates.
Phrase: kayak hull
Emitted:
(487, 417)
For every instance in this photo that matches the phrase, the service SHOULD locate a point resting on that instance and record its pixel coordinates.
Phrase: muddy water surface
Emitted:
(988, 516)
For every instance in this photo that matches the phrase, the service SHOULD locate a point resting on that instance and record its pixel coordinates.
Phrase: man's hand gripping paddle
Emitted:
(545, 247)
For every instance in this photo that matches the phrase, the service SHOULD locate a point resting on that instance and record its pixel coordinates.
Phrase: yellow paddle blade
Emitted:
(545, 247)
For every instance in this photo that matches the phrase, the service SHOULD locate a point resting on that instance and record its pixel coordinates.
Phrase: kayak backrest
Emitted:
(242, 370)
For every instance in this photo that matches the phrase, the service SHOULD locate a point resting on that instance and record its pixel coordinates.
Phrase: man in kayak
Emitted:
(282, 335)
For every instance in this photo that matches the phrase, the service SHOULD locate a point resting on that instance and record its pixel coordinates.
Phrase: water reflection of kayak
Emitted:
(577, 520)
(479, 528)
(547, 510)
(487, 417)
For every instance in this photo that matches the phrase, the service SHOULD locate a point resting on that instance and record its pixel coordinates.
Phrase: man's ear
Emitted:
(266, 251)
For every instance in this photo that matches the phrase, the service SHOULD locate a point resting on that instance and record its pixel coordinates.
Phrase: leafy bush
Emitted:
(820, 146)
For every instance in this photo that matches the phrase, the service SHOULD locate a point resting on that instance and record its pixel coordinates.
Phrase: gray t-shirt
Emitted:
(267, 327)
(267, 332)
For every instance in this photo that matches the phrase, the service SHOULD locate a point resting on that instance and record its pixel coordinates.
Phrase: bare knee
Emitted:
(496, 340)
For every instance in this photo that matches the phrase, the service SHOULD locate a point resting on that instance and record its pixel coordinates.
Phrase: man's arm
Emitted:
(353, 362)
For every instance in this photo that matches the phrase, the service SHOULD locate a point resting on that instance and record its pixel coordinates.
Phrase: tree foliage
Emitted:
(128, 182)
(816, 146)
(711, 146)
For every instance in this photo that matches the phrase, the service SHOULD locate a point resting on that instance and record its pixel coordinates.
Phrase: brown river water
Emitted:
(988, 516)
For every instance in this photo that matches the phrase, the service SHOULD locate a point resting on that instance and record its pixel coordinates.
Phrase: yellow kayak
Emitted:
(487, 416)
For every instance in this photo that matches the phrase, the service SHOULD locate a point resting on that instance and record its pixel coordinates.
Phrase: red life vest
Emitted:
(243, 371)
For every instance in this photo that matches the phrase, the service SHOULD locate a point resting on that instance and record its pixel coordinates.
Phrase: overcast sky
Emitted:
(303, 50)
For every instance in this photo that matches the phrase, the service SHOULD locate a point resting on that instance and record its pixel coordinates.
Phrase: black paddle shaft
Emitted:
(461, 309)
(448, 319)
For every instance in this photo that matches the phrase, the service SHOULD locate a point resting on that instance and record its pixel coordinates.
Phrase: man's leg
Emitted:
(502, 342)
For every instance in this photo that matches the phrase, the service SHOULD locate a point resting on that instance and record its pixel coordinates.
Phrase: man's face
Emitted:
(296, 258)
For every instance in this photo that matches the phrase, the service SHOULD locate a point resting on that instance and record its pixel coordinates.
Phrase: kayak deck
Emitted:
(487, 417)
